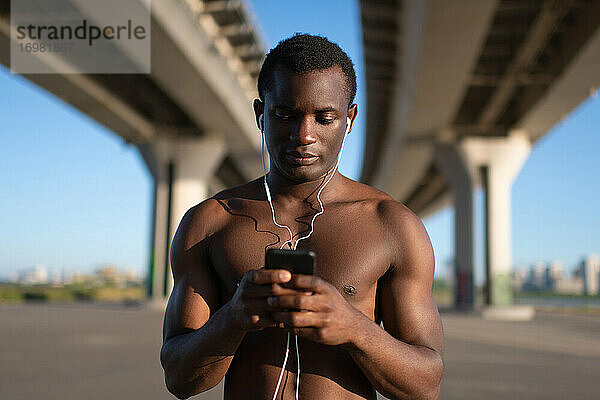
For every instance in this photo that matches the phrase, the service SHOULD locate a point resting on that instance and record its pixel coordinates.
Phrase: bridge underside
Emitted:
(448, 80)
(191, 117)
(483, 69)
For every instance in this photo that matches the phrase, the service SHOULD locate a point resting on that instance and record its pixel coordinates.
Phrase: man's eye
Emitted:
(283, 117)
(325, 120)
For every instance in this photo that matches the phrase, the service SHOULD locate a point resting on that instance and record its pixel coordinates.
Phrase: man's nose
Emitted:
(304, 133)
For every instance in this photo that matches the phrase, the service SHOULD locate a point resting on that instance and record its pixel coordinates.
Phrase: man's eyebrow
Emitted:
(283, 107)
(326, 109)
(292, 108)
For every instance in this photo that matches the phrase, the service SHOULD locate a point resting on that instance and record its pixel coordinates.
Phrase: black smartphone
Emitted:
(295, 261)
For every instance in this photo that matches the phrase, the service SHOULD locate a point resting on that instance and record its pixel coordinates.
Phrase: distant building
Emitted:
(35, 276)
(569, 286)
(56, 277)
(67, 277)
(590, 269)
(548, 277)
(520, 277)
(107, 274)
(536, 280)
(110, 274)
(554, 274)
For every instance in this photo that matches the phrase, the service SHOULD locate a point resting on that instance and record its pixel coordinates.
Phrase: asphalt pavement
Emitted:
(87, 351)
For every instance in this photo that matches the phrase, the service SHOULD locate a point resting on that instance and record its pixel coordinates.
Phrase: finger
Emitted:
(261, 321)
(259, 305)
(308, 283)
(313, 334)
(297, 301)
(299, 319)
(265, 276)
(256, 306)
(251, 291)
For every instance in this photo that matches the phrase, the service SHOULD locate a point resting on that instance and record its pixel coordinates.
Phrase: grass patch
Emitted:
(71, 293)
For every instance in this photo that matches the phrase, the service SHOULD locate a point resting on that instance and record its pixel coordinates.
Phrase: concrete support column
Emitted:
(181, 169)
(494, 163)
(451, 162)
(499, 161)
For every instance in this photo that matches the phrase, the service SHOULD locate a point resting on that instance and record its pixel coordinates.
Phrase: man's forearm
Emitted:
(196, 361)
(396, 369)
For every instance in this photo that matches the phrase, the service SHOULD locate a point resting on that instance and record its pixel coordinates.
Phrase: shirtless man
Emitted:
(229, 317)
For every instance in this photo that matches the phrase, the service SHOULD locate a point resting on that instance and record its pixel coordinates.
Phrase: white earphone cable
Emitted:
(295, 245)
(298, 366)
(319, 196)
(287, 352)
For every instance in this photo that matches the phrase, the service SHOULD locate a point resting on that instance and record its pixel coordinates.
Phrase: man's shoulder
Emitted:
(211, 215)
(401, 222)
(406, 234)
(402, 230)
(397, 218)
(250, 190)
(358, 192)
(382, 203)
(198, 223)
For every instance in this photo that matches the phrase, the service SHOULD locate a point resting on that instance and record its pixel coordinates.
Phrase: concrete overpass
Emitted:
(190, 118)
(457, 92)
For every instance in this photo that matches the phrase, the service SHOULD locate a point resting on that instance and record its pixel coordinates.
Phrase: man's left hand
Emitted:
(317, 311)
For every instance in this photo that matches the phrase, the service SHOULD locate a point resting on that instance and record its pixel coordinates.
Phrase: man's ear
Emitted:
(352, 113)
(259, 110)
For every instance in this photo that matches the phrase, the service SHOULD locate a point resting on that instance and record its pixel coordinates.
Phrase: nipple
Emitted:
(349, 290)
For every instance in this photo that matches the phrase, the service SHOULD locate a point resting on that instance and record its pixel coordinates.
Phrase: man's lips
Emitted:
(301, 158)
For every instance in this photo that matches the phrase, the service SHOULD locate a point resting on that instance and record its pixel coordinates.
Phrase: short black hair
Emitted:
(303, 53)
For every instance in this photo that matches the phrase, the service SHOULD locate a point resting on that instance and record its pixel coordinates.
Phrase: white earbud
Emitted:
(348, 125)
(261, 122)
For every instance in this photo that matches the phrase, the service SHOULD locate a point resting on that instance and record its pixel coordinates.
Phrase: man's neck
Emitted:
(288, 191)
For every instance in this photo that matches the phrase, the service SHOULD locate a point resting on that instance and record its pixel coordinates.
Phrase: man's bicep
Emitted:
(410, 315)
(195, 285)
(408, 310)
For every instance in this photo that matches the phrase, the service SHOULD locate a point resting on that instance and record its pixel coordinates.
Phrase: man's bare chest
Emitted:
(351, 250)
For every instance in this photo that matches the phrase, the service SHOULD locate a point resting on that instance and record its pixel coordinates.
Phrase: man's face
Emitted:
(305, 121)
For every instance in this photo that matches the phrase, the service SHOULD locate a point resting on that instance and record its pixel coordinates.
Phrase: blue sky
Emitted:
(75, 197)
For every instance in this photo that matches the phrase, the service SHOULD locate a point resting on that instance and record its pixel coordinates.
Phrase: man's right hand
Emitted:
(251, 311)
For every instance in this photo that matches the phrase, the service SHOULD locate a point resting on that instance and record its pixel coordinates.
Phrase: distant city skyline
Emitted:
(74, 196)
(552, 277)
(40, 274)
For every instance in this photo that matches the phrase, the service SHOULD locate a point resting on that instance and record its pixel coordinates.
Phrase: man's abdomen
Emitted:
(326, 372)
